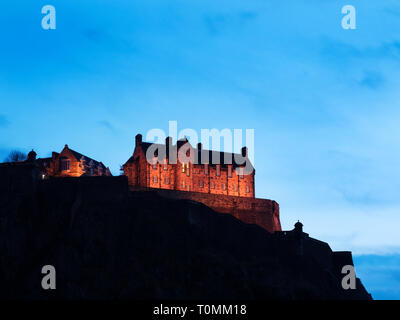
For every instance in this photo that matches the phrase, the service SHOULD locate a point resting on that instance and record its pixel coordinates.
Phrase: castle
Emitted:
(201, 170)
(222, 181)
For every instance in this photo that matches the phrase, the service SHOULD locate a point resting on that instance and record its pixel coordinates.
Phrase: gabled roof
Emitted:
(79, 156)
(211, 154)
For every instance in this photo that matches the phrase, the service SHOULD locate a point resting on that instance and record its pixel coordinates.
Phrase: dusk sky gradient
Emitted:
(323, 101)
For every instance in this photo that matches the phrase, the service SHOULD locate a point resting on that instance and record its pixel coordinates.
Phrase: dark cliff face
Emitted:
(108, 243)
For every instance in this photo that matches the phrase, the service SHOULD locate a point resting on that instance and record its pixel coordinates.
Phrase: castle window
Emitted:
(155, 166)
(247, 189)
(212, 185)
(206, 169)
(154, 179)
(223, 186)
(183, 184)
(183, 167)
(218, 170)
(235, 187)
(201, 184)
(64, 164)
(187, 169)
(229, 172)
(166, 180)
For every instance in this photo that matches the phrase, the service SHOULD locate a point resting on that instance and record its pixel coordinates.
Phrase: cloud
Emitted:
(380, 275)
(372, 80)
(4, 121)
(216, 23)
(106, 124)
(94, 35)
(345, 52)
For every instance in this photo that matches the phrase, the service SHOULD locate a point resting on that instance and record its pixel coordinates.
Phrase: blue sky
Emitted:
(323, 101)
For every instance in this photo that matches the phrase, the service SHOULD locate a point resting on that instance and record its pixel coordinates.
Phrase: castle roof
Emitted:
(214, 157)
(79, 157)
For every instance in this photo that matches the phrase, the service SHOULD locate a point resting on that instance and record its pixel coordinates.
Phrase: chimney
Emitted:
(138, 139)
(168, 141)
(199, 156)
(244, 152)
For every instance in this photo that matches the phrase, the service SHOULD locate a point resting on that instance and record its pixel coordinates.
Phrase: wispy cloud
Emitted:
(372, 80)
(95, 35)
(107, 125)
(219, 22)
(380, 275)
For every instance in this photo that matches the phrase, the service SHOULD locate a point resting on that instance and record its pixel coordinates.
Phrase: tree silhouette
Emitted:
(15, 156)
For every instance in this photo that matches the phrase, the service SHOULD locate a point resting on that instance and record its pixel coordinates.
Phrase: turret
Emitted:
(31, 156)
(298, 227)
(138, 139)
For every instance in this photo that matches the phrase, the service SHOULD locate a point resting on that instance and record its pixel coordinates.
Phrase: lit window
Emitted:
(247, 189)
(183, 184)
(187, 169)
(183, 167)
(64, 164)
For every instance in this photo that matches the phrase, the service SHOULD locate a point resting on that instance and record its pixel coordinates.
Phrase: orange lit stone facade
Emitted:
(204, 177)
(70, 163)
(218, 186)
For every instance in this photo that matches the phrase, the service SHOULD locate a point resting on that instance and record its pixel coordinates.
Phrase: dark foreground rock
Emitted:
(108, 243)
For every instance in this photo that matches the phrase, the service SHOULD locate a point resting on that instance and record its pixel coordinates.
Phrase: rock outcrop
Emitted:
(106, 242)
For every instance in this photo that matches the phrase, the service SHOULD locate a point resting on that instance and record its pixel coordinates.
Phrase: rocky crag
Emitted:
(107, 242)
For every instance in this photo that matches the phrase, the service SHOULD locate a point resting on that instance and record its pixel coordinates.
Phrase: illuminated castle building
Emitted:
(201, 170)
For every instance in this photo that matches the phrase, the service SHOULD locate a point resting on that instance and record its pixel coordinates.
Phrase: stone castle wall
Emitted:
(262, 212)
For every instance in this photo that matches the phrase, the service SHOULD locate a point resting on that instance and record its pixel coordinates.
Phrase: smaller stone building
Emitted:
(67, 163)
